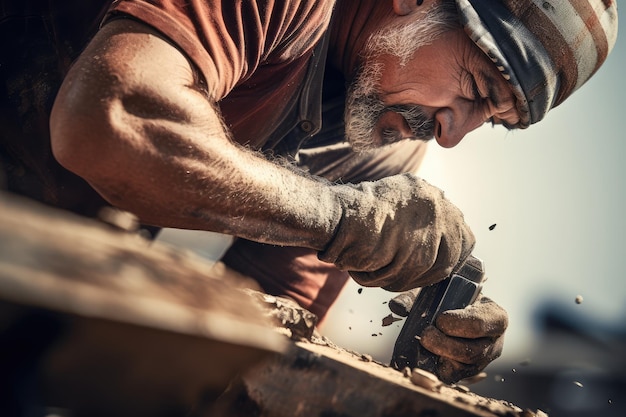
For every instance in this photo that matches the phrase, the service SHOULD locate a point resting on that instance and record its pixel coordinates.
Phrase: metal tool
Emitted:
(456, 291)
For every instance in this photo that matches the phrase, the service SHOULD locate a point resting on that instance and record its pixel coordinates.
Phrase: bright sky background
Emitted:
(557, 194)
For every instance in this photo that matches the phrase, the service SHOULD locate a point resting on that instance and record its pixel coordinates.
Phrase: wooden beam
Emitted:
(112, 321)
(323, 380)
(102, 322)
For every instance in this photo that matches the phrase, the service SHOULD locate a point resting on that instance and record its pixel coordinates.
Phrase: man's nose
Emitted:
(454, 122)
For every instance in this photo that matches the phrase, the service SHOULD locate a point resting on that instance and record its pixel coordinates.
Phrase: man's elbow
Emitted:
(75, 133)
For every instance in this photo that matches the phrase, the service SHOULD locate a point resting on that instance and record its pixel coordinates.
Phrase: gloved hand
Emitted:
(466, 340)
(397, 233)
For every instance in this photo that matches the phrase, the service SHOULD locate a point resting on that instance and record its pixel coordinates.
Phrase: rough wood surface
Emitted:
(322, 380)
(104, 322)
(55, 260)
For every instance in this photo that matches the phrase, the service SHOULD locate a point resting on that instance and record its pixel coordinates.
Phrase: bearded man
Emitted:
(296, 126)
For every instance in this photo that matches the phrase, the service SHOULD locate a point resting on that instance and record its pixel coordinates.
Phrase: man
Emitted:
(164, 112)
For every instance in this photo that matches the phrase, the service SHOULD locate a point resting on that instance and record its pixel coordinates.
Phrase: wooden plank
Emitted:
(115, 322)
(55, 260)
(314, 379)
(101, 322)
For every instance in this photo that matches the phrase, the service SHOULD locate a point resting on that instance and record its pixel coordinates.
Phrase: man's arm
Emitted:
(131, 119)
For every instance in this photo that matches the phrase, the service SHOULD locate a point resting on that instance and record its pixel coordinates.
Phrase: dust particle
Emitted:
(493, 226)
(579, 299)
(461, 388)
(374, 334)
(578, 384)
(389, 320)
(360, 290)
(425, 379)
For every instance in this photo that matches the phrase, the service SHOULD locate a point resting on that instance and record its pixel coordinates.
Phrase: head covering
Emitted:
(546, 49)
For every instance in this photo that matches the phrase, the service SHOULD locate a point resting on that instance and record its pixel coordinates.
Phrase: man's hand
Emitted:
(466, 340)
(397, 233)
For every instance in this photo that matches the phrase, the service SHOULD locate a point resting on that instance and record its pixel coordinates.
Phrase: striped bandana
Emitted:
(546, 49)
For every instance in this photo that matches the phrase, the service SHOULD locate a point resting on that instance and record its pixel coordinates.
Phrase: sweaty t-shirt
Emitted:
(253, 55)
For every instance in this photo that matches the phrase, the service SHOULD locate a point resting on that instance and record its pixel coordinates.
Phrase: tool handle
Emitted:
(456, 291)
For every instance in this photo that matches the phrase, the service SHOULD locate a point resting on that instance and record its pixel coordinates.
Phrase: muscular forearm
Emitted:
(131, 119)
(215, 185)
(159, 150)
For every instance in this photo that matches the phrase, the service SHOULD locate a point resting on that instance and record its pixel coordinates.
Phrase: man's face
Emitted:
(444, 90)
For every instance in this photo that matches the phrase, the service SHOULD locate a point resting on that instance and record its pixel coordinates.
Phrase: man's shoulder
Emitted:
(304, 27)
(228, 41)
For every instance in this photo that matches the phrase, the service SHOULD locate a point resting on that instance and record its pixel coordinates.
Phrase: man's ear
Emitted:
(405, 7)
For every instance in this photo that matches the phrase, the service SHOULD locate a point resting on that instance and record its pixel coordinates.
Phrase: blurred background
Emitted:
(556, 194)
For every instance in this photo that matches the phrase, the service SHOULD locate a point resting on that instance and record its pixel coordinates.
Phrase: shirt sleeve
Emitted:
(228, 41)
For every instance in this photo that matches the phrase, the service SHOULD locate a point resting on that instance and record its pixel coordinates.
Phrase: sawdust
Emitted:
(389, 320)
(287, 315)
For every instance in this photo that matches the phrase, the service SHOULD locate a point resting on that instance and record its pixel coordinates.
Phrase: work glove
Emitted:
(397, 233)
(465, 340)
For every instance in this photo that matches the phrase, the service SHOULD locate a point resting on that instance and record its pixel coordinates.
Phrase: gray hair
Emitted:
(403, 40)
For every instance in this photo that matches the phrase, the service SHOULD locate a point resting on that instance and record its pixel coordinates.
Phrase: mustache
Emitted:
(367, 109)
(422, 126)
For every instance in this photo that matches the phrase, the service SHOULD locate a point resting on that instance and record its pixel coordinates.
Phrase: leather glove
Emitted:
(397, 233)
(466, 340)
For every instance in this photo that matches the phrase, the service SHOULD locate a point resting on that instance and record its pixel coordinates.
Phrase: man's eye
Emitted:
(475, 90)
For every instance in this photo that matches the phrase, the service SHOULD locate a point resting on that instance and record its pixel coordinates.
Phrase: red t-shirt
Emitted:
(252, 54)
